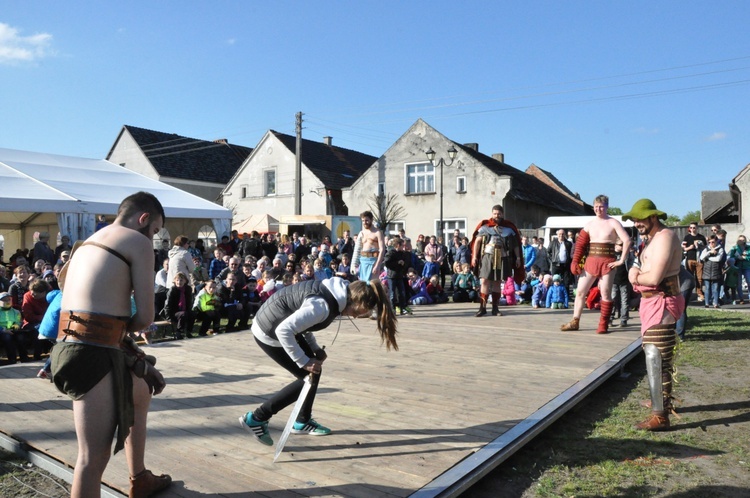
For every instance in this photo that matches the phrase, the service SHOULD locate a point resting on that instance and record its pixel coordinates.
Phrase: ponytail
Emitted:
(373, 295)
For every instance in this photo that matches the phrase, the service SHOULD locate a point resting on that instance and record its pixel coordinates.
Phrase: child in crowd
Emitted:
(418, 289)
(252, 295)
(344, 268)
(217, 264)
(308, 273)
(509, 292)
(177, 308)
(557, 295)
(465, 284)
(207, 309)
(321, 270)
(287, 279)
(10, 327)
(199, 276)
(436, 292)
(32, 310)
(539, 297)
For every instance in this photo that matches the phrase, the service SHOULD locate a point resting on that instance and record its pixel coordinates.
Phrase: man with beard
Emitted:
(596, 242)
(655, 276)
(496, 254)
(370, 247)
(110, 380)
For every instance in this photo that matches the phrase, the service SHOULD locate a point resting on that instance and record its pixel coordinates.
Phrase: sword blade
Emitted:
(293, 417)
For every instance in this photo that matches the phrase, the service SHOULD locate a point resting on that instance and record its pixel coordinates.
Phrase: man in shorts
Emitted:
(597, 243)
(109, 379)
(656, 276)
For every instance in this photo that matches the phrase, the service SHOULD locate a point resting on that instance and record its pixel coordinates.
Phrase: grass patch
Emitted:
(595, 451)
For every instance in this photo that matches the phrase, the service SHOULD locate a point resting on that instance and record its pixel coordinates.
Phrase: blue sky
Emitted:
(630, 99)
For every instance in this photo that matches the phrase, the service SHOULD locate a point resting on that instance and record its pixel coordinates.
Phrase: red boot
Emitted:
(606, 311)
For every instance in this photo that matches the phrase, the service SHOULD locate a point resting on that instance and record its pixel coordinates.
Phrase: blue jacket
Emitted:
(51, 320)
(529, 256)
(557, 294)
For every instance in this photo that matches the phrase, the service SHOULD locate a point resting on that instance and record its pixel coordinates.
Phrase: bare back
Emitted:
(100, 282)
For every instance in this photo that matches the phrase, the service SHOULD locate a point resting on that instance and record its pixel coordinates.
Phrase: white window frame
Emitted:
(422, 172)
(460, 184)
(394, 226)
(450, 224)
(381, 188)
(266, 190)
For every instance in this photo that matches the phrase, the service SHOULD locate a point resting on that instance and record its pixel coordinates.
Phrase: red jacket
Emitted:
(33, 309)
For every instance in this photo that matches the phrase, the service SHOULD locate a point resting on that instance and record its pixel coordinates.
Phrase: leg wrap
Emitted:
(606, 311)
(581, 248)
(482, 304)
(658, 344)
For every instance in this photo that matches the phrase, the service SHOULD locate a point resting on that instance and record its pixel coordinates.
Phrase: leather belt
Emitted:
(93, 328)
(602, 249)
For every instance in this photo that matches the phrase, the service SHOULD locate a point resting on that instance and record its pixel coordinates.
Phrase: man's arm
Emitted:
(141, 270)
(659, 257)
(626, 243)
(381, 253)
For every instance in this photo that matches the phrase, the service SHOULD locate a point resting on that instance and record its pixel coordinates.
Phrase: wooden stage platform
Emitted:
(400, 420)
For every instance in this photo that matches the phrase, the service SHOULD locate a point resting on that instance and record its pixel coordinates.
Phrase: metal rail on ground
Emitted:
(467, 473)
(47, 463)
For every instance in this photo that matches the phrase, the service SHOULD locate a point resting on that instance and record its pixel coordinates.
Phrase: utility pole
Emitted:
(298, 166)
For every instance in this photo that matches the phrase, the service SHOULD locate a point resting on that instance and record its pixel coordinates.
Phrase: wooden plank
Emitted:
(400, 419)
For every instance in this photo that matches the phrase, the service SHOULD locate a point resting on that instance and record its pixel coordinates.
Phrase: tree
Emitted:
(672, 220)
(386, 209)
(691, 217)
(614, 211)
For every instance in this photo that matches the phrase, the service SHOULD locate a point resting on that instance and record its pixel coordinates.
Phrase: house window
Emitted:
(381, 188)
(461, 184)
(393, 227)
(270, 181)
(420, 178)
(244, 192)
(451, 225)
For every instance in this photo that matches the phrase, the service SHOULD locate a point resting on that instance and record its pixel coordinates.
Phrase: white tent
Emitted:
(48, 192)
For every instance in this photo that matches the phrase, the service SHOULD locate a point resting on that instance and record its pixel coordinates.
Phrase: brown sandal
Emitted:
(146, 483)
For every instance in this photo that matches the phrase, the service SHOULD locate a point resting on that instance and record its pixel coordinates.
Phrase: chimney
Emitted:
(473, 146)
(499, 156)
(328, 140)
(221, 141)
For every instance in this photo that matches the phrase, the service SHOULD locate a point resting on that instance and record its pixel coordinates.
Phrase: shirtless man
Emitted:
(370, 247)
(597, 242)
(655, 276)
(110, 382)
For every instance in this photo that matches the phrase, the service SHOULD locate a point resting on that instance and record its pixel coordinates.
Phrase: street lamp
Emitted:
(431, 156)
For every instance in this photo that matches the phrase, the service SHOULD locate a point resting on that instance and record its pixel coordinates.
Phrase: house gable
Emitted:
(177, 157)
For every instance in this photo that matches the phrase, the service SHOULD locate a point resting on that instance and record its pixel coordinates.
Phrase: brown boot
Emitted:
(606, 311)
(496, 304)
(482, 305)
(572, 325)
(145, 484)
(657, 421)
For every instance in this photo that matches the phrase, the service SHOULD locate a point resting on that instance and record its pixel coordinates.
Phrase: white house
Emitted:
(472, 184)
(264, 184)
